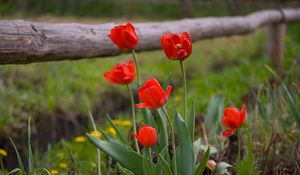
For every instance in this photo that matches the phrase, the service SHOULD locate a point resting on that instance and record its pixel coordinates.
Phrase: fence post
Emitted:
(276, 46)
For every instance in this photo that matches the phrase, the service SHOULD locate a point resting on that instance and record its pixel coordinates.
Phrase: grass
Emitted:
(231, 67)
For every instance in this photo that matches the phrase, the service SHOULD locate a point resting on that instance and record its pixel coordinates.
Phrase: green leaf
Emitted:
(30, 156)
(124, 171)
(185, 161)
(148, 167)
(162, 131)
(16, 170)
(163, 165)
(200, 168)
(148, 118)
(123, 155)
(215, 112)
(107, 136)
(119, 133)
(191, 121)
(21, 165)
(197, 147)
(222, 168)
(247, 165)
(42, 170)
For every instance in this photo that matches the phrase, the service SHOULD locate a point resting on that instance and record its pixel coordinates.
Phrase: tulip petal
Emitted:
(242, 115)
(168, 91)
(233, 116)
(228, 132)
(142, 105)
(229, 123)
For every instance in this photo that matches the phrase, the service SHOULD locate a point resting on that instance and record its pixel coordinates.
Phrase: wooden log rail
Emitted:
(26, 42)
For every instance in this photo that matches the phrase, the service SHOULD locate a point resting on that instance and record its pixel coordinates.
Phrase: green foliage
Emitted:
(200, 168)
(126, 157)
(184, 153)
(246, 166)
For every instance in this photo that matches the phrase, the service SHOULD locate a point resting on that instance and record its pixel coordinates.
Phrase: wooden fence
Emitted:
(24, 42)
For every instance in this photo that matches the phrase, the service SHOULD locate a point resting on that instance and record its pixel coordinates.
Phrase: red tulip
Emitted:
(177, 46)
(233, 119)
(122, 73)
(147, 136)
(152, 95)
(124, 36)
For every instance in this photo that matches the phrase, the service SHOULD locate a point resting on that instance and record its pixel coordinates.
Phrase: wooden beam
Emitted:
(26, 42)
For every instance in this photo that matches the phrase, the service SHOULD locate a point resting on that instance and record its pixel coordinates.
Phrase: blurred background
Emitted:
(57, 95)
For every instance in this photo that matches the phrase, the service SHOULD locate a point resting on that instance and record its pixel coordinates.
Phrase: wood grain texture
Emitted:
(26, 42)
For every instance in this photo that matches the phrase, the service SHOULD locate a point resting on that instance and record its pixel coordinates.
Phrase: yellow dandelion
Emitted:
(112, 131)
(126, 123)
(96, 134)
(3, 152)
(54, 172)
(117, 121)
(63, 165)
(80, 139)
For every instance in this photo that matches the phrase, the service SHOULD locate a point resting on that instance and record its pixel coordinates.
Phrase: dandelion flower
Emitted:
(126, 123)
(54, 172)
(80, 139)
(96, 134)
(117, 121)
(63, 165)
(112, 131)
(3, 152)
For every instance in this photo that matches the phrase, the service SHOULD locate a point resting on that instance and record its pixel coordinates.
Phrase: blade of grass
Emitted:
(30, 155)
(98, 150)
(20, 162)
(200, 168)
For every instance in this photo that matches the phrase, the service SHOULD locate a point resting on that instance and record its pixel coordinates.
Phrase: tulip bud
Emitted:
(124, 36)
(152, 95)
(147, 136)
(211, 164)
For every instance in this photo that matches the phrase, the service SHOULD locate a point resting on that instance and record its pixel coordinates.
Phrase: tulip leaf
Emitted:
(106, 135)
(185, 161)
(119, 133)
(122, 154)
(149, 118)
(200, 168)
(191, 121)
(215, 112)
(222, 168)
(124, 171)
(162, 165)
(148, 167)
(162, 130)
(197, 147)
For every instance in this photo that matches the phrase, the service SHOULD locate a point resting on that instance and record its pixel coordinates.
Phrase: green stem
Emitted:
(136, 62)
(185, 89)
(133, 118)
(150, 157)
(238, 146)
(173, 138)
(1, 164)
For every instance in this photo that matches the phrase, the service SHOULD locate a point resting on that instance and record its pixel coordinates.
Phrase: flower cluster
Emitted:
(153, 97)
